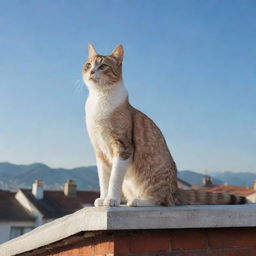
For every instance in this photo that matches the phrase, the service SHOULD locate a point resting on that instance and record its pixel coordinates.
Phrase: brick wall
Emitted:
(181, 242)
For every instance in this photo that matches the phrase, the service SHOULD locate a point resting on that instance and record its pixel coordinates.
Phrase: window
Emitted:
(17, 231)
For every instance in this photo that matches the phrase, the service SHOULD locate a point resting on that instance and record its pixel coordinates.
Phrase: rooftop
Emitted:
(184, 182)
(55, 204)
(235, 190)
(11, 210)
(124, 218)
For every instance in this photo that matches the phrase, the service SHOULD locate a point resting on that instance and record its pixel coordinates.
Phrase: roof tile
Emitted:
(55, 204)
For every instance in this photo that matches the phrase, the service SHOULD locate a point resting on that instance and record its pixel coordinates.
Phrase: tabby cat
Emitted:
(132, 156)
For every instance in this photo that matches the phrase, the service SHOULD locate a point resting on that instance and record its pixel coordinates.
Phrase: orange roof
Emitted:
(236, 190)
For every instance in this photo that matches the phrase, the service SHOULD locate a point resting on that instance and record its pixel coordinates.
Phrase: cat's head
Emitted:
(103, 72)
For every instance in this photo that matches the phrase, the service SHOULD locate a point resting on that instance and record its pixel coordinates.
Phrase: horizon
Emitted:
(190, 66)
(206, 172)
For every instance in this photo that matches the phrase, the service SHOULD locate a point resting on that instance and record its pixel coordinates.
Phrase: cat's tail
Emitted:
(196, 197)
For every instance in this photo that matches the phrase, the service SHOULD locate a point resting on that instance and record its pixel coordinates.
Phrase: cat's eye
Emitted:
(88, 65)
(101, 67)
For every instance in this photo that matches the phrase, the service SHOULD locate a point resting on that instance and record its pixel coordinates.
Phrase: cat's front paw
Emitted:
(111, 202)
(133, 203)
(98, 202)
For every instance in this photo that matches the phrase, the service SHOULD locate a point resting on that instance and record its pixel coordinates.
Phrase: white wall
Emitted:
(5, 228)
(252, 198)
(23, 200)
(183, 186)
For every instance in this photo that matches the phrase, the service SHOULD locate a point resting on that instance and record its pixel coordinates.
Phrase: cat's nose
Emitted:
(92, 72)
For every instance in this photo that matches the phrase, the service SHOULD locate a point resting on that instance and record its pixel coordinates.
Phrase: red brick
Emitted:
(148, 254)
(75, 252)
(122, 244)
(87, 250)
(64, 253)
(189, 253)
(230, 252)
(52, 254)
(104, 247)
(252, 252)
(154, 242)
(230, 238)
(188, 239)
(223, 252)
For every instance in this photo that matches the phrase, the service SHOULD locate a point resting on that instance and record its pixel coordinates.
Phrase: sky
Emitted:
(189, 65)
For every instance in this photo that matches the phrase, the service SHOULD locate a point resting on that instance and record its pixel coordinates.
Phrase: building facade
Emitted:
(26, 209)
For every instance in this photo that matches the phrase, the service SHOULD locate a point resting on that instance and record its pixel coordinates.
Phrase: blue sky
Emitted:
(189, 65)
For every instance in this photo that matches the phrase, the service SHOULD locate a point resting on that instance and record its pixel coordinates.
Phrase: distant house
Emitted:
(26, 209)
(22, 211)
(207, 181)
(183, 184)
(248, 192)
(15, 220)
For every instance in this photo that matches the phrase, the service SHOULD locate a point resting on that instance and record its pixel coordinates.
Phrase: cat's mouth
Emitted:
(91, 78)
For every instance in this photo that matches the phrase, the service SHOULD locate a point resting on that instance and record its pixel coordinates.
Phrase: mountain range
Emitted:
(13, 176)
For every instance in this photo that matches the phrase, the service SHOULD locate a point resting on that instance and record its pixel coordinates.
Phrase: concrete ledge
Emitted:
(125, 218)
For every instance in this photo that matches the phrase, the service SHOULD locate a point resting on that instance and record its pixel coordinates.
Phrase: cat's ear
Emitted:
(118, 53)
(91, 51)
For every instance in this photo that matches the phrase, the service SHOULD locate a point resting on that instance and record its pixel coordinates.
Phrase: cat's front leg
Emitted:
(119, 168)
(104, 170)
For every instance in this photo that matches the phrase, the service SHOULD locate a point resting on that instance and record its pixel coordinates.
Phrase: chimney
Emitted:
(70, 188)
(254, 185)
(38, 189)
(207, 181)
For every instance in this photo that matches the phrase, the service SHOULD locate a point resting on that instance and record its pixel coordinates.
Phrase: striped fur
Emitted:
(131, 152)
(195, 197)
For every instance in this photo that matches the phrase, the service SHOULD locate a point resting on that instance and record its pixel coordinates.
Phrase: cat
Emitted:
(132, 156)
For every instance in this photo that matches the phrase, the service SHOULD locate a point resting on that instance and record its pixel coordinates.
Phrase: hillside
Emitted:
(196, 178)
(237, 178)
(14, 176)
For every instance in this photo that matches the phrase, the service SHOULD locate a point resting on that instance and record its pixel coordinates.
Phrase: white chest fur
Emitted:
(99, 106)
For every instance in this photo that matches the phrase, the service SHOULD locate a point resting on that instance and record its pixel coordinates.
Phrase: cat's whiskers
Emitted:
(78, 86)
